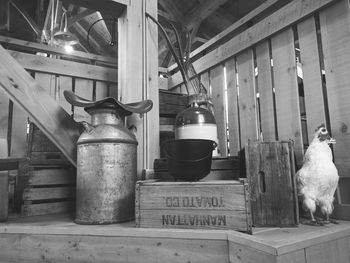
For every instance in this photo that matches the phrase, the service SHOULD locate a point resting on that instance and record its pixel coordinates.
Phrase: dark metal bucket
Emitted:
(189, 159)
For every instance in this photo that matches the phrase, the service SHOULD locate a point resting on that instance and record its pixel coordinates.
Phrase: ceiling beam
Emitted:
(171, 8)
(201, 12)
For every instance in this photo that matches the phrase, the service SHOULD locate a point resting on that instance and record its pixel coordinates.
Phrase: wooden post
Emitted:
(138, 75)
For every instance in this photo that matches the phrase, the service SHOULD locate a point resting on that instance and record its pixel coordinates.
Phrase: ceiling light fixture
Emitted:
(63, 37)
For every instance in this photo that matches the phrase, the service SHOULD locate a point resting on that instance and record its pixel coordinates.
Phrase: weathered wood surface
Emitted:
(264, 80)
(232, 107)
(217, 76)
(270, 173)
(201, 205)
(247, 97)
(4, 183)
(49, 116)
(57, 238)
(335, 33)
(286, 91)
(32, 46)
(312, 78)
(63, 67)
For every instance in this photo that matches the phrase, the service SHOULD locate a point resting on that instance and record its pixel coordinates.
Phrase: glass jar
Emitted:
(197, 121)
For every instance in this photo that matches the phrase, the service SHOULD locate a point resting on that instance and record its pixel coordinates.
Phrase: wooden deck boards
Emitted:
(51, 237)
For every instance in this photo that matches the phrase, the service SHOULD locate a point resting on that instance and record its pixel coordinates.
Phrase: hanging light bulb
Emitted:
(68, 48)
(63, 37)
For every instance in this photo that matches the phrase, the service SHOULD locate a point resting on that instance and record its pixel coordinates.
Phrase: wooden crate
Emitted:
(49, 190)
(195, 205)
(270, 171)
(41, 150)
(222, 168)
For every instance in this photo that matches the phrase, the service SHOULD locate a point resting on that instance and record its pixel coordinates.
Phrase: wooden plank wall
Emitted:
(269, 99)
(55, 76)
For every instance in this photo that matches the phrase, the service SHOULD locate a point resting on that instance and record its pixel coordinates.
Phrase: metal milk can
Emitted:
(106, 162)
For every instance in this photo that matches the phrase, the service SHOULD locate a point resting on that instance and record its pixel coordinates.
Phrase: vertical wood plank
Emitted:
(102, 90)
(137, 72)
(267, 110)
(335, 34)
(233, 124)
(312, 79)
(4, 183)
(65, 83)
(286, 86)
(83, 88)
(47, 81)
(18, 132)
(247, 96)
(217, 80)
(151, 119)
(4, 114)
(205, 81)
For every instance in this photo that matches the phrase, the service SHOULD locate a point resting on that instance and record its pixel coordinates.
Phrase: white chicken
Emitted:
(318, 178)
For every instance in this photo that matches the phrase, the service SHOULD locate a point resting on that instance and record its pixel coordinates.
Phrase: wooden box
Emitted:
(270, 171)
(41, 150)
(195, 205)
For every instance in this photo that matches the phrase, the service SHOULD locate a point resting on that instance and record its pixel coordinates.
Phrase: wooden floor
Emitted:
(57, 238)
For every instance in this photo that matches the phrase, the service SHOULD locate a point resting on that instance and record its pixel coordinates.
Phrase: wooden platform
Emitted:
(57, 238)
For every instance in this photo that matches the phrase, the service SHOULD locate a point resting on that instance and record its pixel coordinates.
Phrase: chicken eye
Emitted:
(323, 130)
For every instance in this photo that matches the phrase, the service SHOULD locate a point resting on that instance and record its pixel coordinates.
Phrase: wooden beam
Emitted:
(36, 47)
(47, 114)
(261, 8)
(64, 67)
(172, 9)
(200, 12)
(279, 20)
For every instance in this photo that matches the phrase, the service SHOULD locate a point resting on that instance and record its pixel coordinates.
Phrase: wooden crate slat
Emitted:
(84, 89)
(335, 33)
(35, 194)
(267, 110)
(286, 86)
(312, 79)
(203, 205)
(47, 208)
(217, 81)
(51, 176)
(247, 97)
(232, 104)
